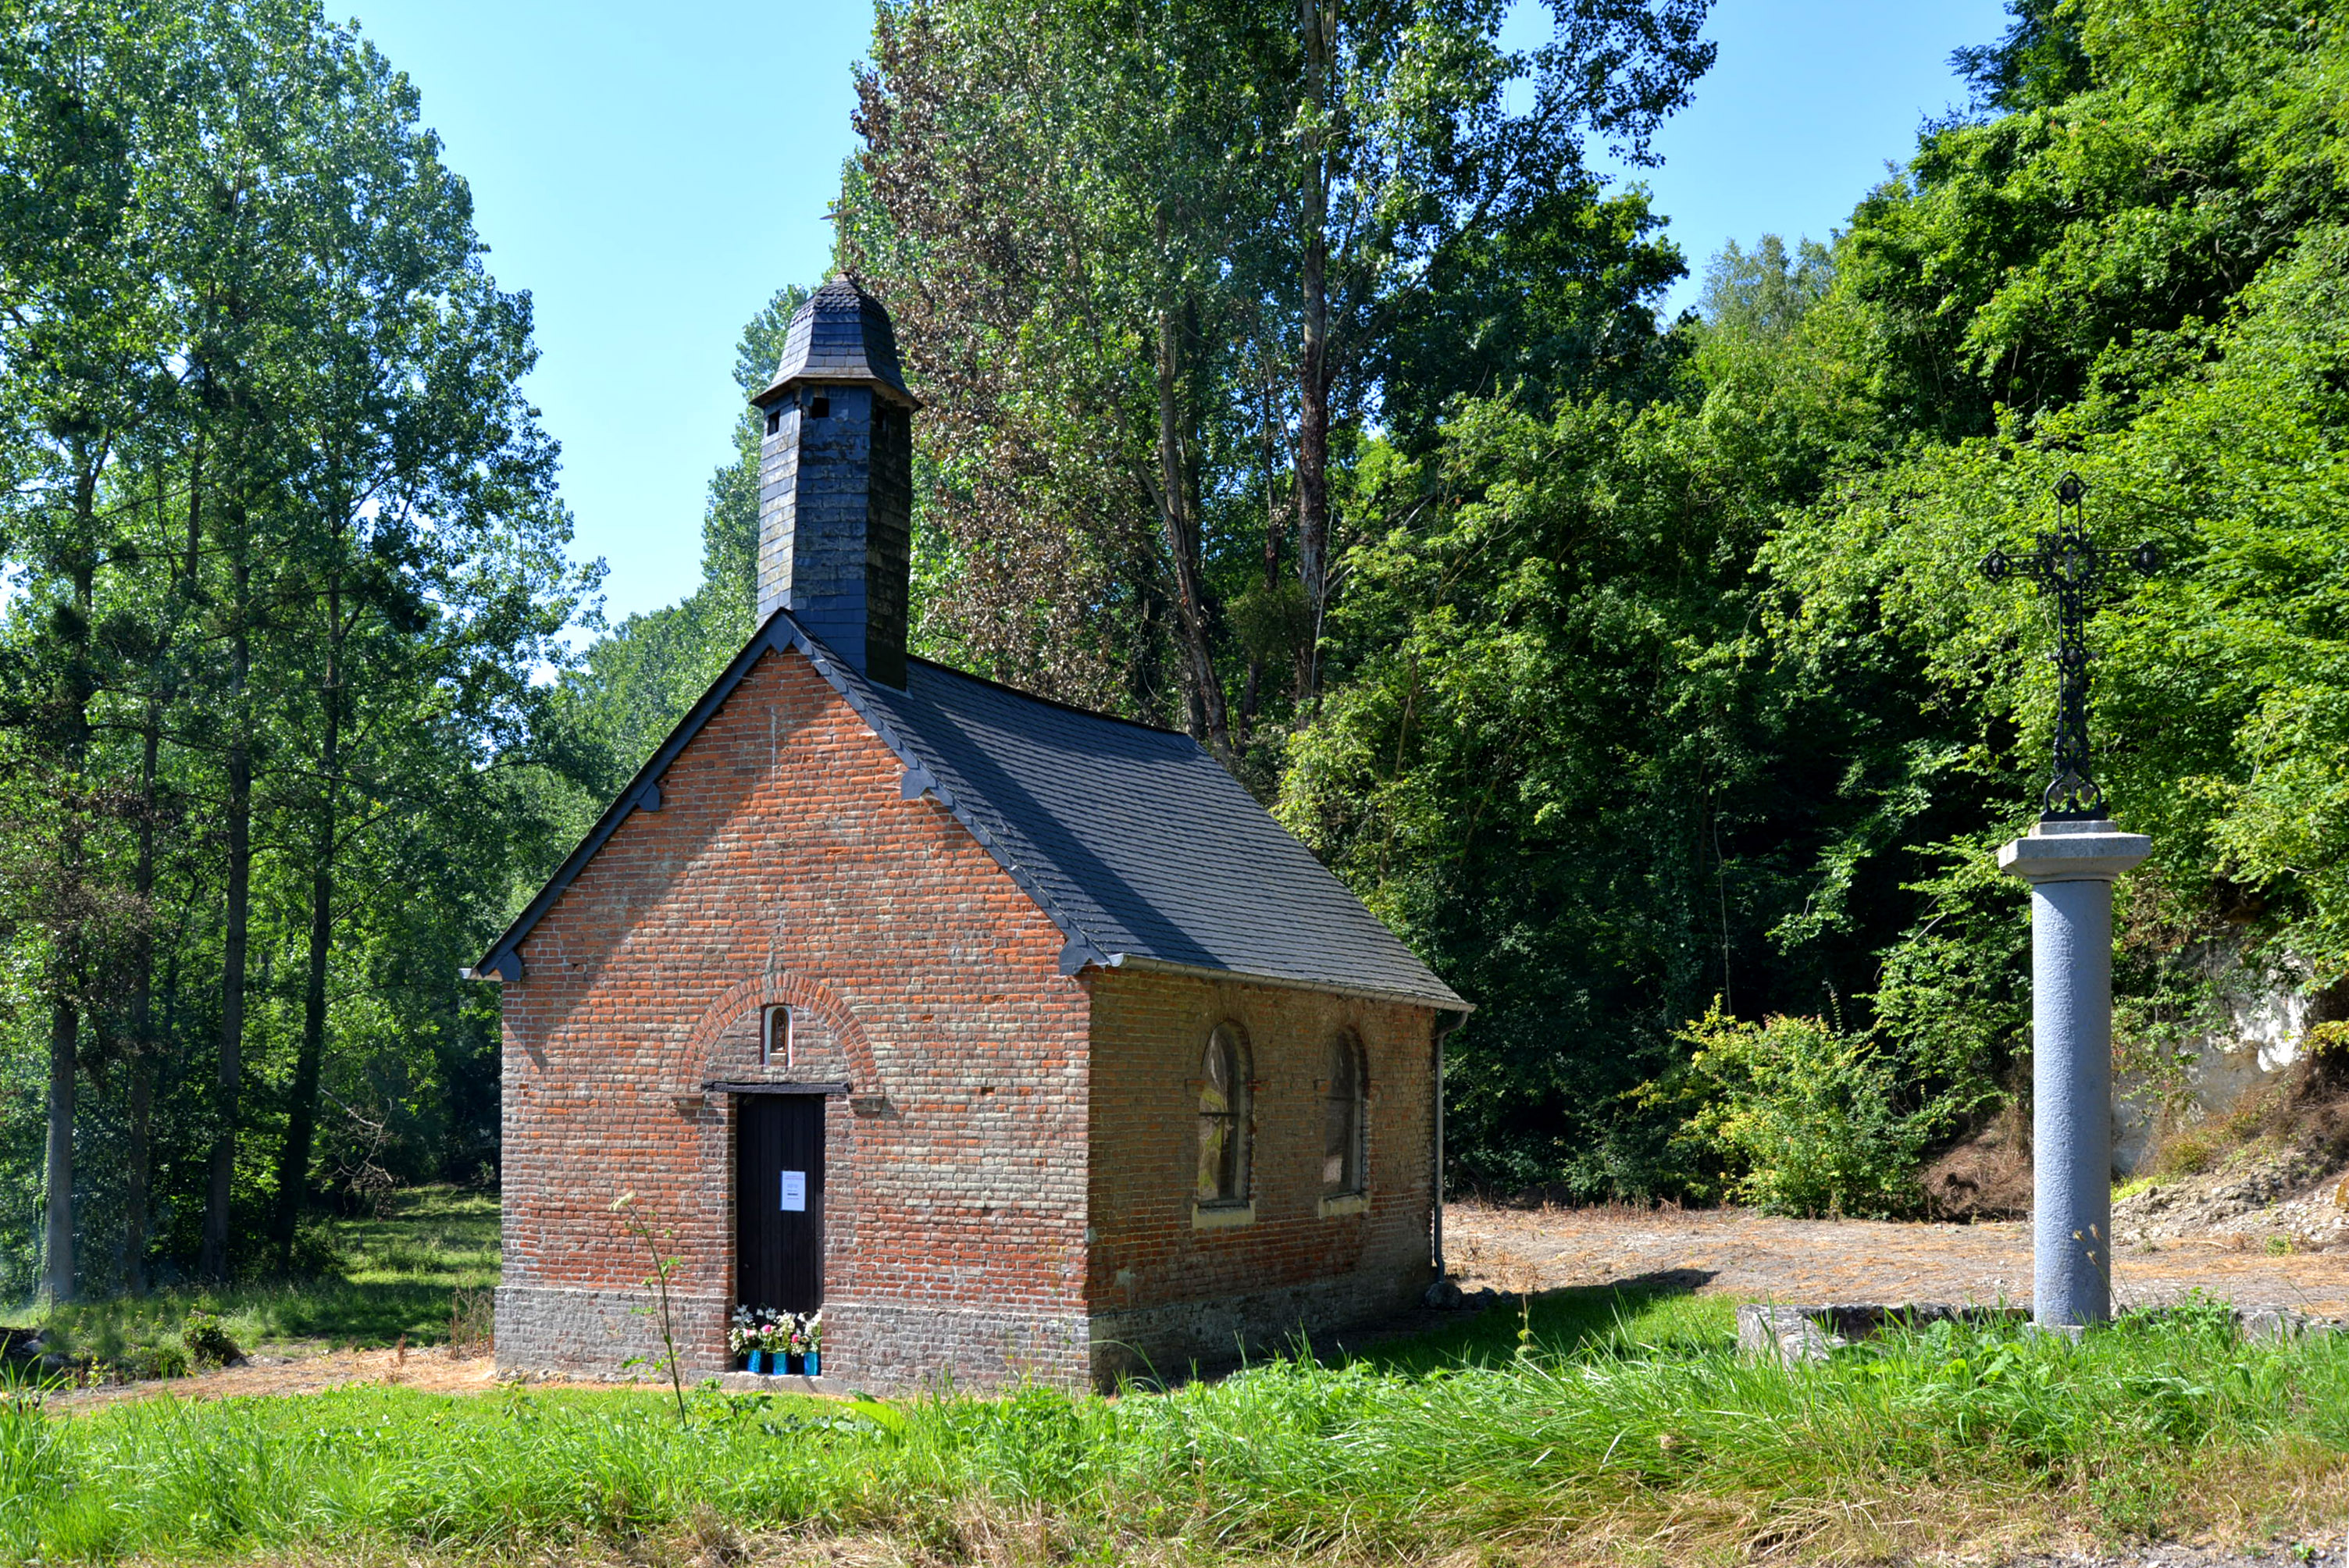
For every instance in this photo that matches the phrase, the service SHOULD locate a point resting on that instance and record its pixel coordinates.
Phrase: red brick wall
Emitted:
(784, 866)
(1167, 1290)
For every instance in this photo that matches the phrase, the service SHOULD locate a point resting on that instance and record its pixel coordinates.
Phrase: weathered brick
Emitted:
(1008, 1191)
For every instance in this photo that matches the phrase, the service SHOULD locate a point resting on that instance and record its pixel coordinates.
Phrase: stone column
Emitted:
(2070, 867)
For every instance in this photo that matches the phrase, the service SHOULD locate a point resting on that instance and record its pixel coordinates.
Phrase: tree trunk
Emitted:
(228, 1092)
(302, 1113)
(135, 1180)
(65, 975)
(57, 1250)
(1319, 27)
(142, 1017)
(1267, 442)
(1210, 721)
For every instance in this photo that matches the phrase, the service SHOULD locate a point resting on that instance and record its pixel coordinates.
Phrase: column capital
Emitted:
(2073, 852)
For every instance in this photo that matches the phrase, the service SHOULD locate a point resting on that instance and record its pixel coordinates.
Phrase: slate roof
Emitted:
(840, 334)
(1134, 841)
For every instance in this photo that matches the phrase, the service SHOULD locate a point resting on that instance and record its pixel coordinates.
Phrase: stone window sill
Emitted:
(1345, 1204)
(1222, 1217)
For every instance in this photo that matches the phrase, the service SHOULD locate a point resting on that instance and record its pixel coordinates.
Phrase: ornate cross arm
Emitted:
(2070, 568)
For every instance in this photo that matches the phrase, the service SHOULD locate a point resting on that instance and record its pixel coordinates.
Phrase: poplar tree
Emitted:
(293, 568)
(1155, 261)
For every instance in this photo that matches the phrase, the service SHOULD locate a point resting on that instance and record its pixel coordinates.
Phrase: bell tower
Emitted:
(836, 481)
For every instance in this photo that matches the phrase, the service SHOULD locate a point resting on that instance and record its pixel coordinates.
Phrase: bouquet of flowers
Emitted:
(775, 1330)
(742, 1332)
(811, 1333)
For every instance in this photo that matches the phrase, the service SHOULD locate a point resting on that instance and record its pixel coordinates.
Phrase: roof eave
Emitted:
(781, 385)
(1084, 949)
(1446, 1000)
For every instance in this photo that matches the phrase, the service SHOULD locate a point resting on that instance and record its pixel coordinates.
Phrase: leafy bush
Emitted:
(207, 1343)
(1801, 1118)
(160, 1361)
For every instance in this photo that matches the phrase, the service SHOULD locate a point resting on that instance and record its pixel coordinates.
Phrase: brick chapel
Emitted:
(1019, 1039)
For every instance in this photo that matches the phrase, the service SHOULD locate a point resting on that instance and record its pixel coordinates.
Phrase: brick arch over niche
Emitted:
(776, 987)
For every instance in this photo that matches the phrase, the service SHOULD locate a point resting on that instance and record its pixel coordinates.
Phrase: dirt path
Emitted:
(430, 1369)
(1752, 1256)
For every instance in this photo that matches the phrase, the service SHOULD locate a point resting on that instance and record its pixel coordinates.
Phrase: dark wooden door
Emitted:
(779, 1202)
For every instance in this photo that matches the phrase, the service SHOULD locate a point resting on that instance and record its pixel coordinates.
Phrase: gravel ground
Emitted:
(1757, 1257)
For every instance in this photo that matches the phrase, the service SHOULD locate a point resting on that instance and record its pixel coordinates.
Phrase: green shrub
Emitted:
(1801, 1118)
(207, 1343)
(160, 1361)
(2188, 1153)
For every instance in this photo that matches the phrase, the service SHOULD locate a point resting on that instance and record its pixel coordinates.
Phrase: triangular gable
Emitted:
(1135, 843)
(643, 793)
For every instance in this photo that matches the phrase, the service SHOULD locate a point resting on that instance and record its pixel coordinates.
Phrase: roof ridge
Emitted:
(1215, 886)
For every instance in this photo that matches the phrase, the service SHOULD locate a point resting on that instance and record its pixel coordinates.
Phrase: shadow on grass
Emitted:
(1653, 1311)
(396, 1277)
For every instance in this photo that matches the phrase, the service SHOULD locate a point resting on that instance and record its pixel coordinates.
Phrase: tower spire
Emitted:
(835, 481)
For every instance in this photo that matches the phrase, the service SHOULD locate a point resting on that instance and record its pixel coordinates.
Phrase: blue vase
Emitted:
(757, 1363)
(814, 1361)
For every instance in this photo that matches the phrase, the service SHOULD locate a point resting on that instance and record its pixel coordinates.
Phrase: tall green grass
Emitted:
(1623, 1426)
(390, 1277)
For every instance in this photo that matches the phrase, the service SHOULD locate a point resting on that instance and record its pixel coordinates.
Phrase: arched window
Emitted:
(775, 1037)
(1341, 1119)
(1223, 1118)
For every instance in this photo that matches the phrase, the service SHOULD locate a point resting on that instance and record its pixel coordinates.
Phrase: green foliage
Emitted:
(208, 1343)
(394, 1276)
(1560, 756)
(1803, 1118)
(1223, 243)
(164, 1361)
(1631, 1413)
(1638, 700)
(288, 569)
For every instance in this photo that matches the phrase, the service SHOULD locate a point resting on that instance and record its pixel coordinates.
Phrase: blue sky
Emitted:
(653, 174)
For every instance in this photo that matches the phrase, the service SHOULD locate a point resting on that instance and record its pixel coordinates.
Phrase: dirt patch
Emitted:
(1756, 1257)
(429, 1369)
(1987, 1177)
(2264, 1193)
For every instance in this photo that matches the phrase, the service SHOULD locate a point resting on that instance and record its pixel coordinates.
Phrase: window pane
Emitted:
(1222, 1121)
(1341, 1121)
(1214, 1157)
(1216, 1077)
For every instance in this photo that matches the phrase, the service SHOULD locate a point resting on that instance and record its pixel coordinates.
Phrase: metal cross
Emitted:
(2069, 567)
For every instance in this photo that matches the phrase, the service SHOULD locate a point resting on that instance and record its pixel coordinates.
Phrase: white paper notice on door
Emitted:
(794, 1191)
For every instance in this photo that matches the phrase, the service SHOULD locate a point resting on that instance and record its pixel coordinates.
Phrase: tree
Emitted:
(1402, 151)
(1095, 226)
(81, 352)
(290, 562)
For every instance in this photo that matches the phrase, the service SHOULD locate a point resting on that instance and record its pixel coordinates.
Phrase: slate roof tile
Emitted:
(840, 334)
(1134, 840)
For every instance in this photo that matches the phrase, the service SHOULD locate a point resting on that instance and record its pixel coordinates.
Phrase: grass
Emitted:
(395, 1278)
(1587, 1427)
